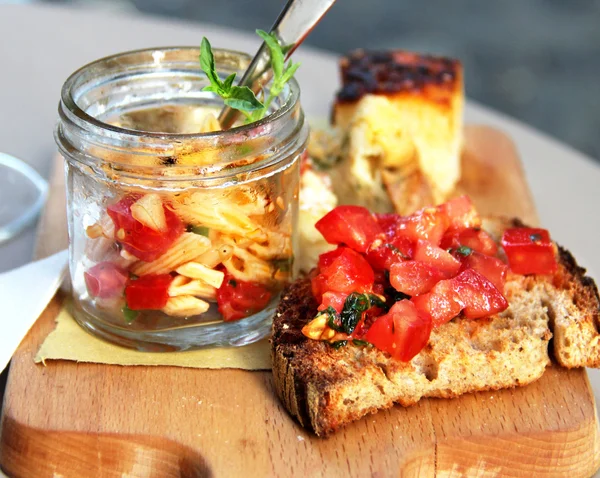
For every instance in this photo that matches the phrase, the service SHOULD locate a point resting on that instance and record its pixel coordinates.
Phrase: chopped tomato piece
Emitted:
(402, 332)
(469, 292)
(461, 213)
(367, 318)
(529, 250)
(479, 296)
(149, 292)
(414, 277)
(428, 224)
(491, 268)
(381, 255)
(437, 257)
(476, 239)
(143, 242)
(354, 226)
(105, 280)
(388, 223)
(442, 302)
(333, 299)
(327, 258)
(237, 299)
(348, 272)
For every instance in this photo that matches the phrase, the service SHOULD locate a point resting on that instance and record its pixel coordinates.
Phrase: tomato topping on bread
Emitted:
(432, 266)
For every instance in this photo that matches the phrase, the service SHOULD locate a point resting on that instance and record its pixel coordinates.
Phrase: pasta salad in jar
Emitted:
(181, 235)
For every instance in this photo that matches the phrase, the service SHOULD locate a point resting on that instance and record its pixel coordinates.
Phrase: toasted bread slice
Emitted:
(327, 388)
(401, 114)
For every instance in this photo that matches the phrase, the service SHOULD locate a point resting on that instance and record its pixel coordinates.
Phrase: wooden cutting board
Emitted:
(82, 420)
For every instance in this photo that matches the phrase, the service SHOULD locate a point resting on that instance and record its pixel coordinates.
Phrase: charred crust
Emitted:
(371, 72)
(573, 273)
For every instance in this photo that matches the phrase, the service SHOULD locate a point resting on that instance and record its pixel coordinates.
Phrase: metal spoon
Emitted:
(294, 24)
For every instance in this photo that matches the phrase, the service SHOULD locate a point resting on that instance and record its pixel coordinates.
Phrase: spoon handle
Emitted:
(294, 24)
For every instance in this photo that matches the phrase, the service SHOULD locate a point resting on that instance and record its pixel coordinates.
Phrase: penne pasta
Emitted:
(196, 270)
(276, 246)
(245, 266)
(183, 285)
(215, 256)
(186, 248)
(185, 306)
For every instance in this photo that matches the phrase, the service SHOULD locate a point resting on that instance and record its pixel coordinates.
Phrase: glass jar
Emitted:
(178, 239)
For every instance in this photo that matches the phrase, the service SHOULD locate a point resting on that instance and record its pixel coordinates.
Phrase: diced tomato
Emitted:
(327, 258)
(428, 224)
(529, 251)
(348, 272)
(402, 332)
(437, 257)
(442, 302)
(469, 292)
(367, 318)
(149, 292)
(476, 239)
(237, 299)
(143, 242)
(382, 255)
(414, 277)
(333, 299)
(461, 213)
(354, 226)
(490, 267)
(479, 296)
(389, 224)
(105, 280)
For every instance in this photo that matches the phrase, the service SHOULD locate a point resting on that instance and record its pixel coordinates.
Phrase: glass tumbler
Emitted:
(179, 239)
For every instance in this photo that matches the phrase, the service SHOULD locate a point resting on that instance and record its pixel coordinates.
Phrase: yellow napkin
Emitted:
(70, 342)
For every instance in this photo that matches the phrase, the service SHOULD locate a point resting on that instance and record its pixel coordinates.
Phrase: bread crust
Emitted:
(326, 388)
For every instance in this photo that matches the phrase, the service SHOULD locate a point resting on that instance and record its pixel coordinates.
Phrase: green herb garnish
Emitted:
(332, 319)
(128, 314)
(284, 265)
(396, 251)
(395, 295)
(361, 343)
(238, 97)
(243, 98)
(201, 230)
(338, 344)
(354, 306)
(464, 251)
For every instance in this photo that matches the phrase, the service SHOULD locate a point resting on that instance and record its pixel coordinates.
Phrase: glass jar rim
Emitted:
(68, 99)
(85, 138)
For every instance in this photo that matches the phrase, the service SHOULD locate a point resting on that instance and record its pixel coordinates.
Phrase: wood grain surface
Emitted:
(86, 420)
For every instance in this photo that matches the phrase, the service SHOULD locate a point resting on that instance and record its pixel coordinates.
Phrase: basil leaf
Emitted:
(361, 343)
(354, 306)
(207, 63)
(283, 265)
(277, 60)
(338, 344)
(228, 81)
(464, 251)
(201, 230)
(395, 295)
(242, 98)
(128, 314)
(289, 72)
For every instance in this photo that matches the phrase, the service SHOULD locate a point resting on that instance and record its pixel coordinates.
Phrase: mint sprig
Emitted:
(243, 98)
(238, 97)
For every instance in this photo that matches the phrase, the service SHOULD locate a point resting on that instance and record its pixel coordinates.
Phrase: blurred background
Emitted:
(536, 60)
